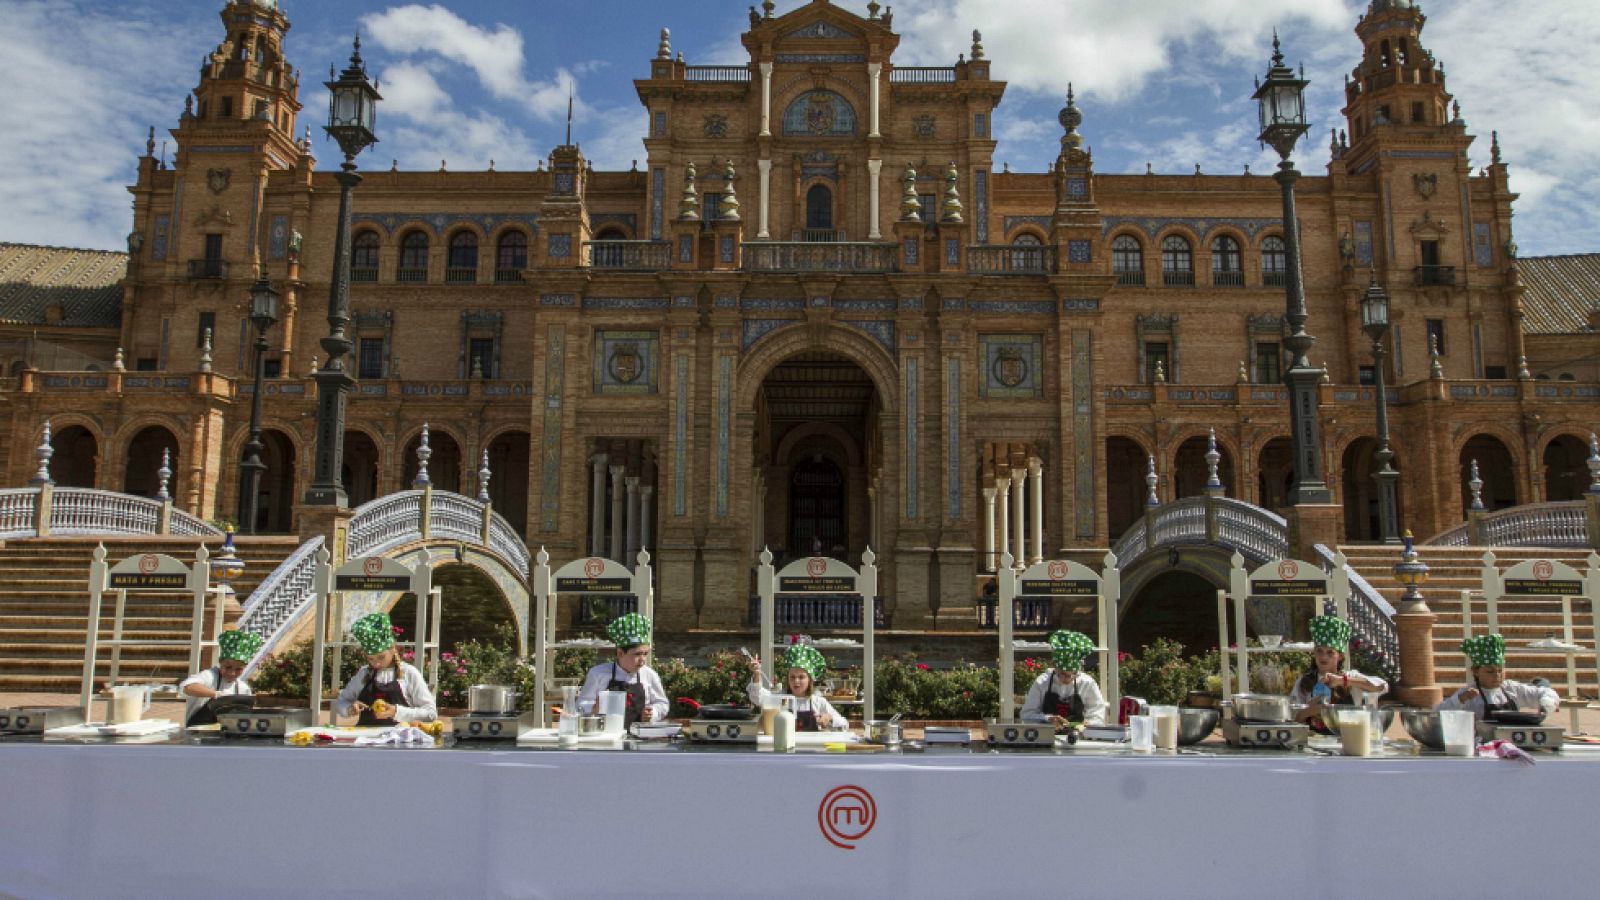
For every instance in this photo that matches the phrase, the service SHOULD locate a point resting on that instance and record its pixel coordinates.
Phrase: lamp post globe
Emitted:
(263, 315)
(352, 117)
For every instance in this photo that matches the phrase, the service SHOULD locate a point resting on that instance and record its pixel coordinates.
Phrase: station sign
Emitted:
(1059, 578)
(149, 572)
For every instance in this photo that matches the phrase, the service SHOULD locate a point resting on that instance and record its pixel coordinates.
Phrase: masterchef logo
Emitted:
(594, 567)
(1057, 570)
(1542, 570)
(149, 563)
(1288, 569)
(846, 815)
(372, 565)
(816, 567)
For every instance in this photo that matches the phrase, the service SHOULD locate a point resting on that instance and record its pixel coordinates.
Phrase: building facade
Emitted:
(817, 317)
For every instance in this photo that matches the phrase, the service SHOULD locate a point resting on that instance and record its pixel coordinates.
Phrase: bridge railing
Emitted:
(275, 603)
(1371, 616)
(1566, 524)
(1258, 534)
(43, 510)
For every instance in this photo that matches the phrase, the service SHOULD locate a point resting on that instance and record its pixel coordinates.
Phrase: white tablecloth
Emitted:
(271, 821)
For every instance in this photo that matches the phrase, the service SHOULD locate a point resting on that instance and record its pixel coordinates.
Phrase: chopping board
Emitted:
(141, 728)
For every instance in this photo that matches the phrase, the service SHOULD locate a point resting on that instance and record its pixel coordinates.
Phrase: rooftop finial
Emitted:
(1277, 49)
(1150, 479)
(1071, 117)
(977, 45)
(767, 8)
(951, 210)
(424, 452)
(664, 49)
(1494, 147)
(163, 475)
(44, 451)
(483, 479)
(150, 143)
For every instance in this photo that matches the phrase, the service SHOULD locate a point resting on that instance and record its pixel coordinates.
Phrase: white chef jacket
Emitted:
(1094, 703)
(1296, 695)
(655, 695)
(1524, 695)
(815, 703)
(211, 678)
(415, 687)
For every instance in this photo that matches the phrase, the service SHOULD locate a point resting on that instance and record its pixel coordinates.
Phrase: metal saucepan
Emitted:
(493, 699)
(1514, 717)
(1261, 708)
(884, 731)
(726, 711)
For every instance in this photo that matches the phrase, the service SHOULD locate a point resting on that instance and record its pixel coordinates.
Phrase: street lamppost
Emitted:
(352, 110)
(263, 314)
(1283, 123)
(1375, 322)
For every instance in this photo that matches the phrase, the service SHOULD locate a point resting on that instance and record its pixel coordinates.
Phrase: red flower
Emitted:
(922, 666)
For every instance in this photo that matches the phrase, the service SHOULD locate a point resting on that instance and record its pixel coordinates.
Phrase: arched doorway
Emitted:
(815, 445)
(275, 508)
(444, 466)
(144, 461)
(1497, 469)
(1126, 463)
(1178, 605)
(819, 212)
(1275, 474)
(76, 459)
(1566, 470)
(1359, 489)
(508, 488)
(471, 608)
(360, 471)
(1190, 472)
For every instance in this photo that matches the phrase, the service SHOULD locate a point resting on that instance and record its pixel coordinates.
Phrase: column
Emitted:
(1003, 514)
(874, 71)
(597, 507)
(874, 166)
(646, 510)
(1036, 478)
(616, 513)
(766, 99)
(765, 165)
(1017, 511)
(988, 530)
(632, 530)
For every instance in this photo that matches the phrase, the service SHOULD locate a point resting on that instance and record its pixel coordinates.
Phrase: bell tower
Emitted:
(246, 79)
(1399, 88)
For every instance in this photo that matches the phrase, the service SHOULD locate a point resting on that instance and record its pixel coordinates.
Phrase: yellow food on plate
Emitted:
(301, 739)
(382, 708)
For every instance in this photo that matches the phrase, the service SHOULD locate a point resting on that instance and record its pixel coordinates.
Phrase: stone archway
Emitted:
(1359, 491)
(1275, 474)
(508, 487)
(143, 460)
(1178, 604)
(1566, 471)
(1497, 468)
(472, 608)
(1126, 463)
(275, 511)
(361, 468)
(76, 460)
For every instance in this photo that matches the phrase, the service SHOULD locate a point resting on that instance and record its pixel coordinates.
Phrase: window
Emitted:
(1494, 372)
(364, 257)
(1226, 266)
(413, 258)
(819, 214)
(370, 359)
(1274, 262)
(1177, 262)
(1030, 255)
(208, 325)
(1157, 355)
(511, 257)
(710, 209)
(1368, 376)
(1269, 362)
(1416, 112)
(145, 364)
(213, 247)
(462, 267)
(930, 207)
(1127, 260)
(227, 107)
(272, 368)
(480, 358)
(1436, 335)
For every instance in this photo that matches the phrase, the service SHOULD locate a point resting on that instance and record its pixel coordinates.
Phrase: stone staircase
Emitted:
(44, 608)
(1454, 569)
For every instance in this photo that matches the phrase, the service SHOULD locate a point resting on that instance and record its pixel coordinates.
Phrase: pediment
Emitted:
(820, 28)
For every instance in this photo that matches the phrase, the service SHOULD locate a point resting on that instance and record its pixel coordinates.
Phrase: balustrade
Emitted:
(803, 256)
(716, 73)
(922, 75)
(632, 256)
(1006, 259)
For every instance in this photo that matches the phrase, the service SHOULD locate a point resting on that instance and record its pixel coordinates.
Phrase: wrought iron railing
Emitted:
(922, 75)
(1223, 278)
(508, 276)
(1026, 612)
(363, 275)
(801, 256)
(1274, 279)
(1006, 259)
(208, 268)
(1434, 275)
(461, 275)
(635, 256)
(1560, 524)
(411, 276)
(817, 611)
(1371, 616)
(716, 73)
(1177, 277)
(1130, 277)
(279, 599)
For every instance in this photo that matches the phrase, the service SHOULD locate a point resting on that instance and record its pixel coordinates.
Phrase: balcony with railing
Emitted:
(1008, 259)
(629, 256)
(1028, 613)
(367, 275)
(411, 276)
(508, 276)
(716, 73)
(1225, 278)
(1275, 279)
(821, 235)
(1130, 277)
(208, 268)
(922, 75)
(1432, 276)
(808, 256)
(817, 611)
(1177, 277)
(460, 275)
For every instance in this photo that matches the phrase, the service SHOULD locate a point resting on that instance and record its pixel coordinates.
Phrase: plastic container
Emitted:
(1355, 732)
(1141, 732)
(1165, 725)
(1459, 727)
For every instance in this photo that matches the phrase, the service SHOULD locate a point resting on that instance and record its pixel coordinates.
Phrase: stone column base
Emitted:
(1417, 687)
(1314, 523)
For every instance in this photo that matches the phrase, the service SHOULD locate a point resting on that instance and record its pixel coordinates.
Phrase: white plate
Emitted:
(646, 730)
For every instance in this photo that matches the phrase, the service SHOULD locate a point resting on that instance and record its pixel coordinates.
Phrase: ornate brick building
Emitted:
(818, 316)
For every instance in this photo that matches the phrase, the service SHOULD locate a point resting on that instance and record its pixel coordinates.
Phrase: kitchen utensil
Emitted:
(1424, 726)
(1196, 724)
(129, 703)
(1355, 731)
(1271, 641)
(1458, 729)
(884, 731)
(1201, 699)
(895, 718)
(726, 711)
(497, 699)
(1330, 716)
(1271, 708)
(1142, 730)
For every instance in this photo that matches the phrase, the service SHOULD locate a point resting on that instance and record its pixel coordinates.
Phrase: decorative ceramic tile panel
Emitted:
(625, 362)
(756, 329)
(680, 437)
(658, 124)
(724, 426)
(980, 190)
(1080, 306)
(683, 302)
(820, 29)
(1010, 223)
(686, 248)
(821, 58)
(781, 305)
(912, 436)
(980, 125)
(866, 306)
(645, 303)
(1011, 365)
(560, 246)
(558, 299)
(882, 331)
(725, 249)
(911, 249)
(952, 251)
(1014, 307)
(554, 389)
(1083, 441)
(1482, 251)
(819, 114)
(658, 192)
(278, 237)
(158, 246)
(952, 429)
(1364, 244)
(1080, 251)
(439, 223)
(911, 304)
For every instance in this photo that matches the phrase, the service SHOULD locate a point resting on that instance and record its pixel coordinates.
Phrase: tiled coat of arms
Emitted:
(625, 362)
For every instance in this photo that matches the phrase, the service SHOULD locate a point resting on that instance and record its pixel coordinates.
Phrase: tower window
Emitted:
(1417, 114)
(227, 107)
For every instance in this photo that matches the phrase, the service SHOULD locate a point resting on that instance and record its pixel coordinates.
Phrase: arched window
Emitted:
(462, 267)
(413, 257)
(819, 214)
(1274, 262)
(1030, 255)
(364, 257)
(1177, 262)
(1227, 270)
(511, 257)
(1127, 259)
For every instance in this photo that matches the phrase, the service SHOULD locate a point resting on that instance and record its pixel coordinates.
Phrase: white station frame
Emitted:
(1546, 578)
(1278, 578)
(146, 572)
(589, 575)
(821, 574)
(369, 573)
(1060, 578)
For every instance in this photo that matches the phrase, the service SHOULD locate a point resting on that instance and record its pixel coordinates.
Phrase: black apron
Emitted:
(390, 693)
(1490, 709)
(635, 692)
(1069, 707)
(203, 714)
(806, 721)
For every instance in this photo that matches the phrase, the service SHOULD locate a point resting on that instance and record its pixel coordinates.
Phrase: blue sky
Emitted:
(1163, 82)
